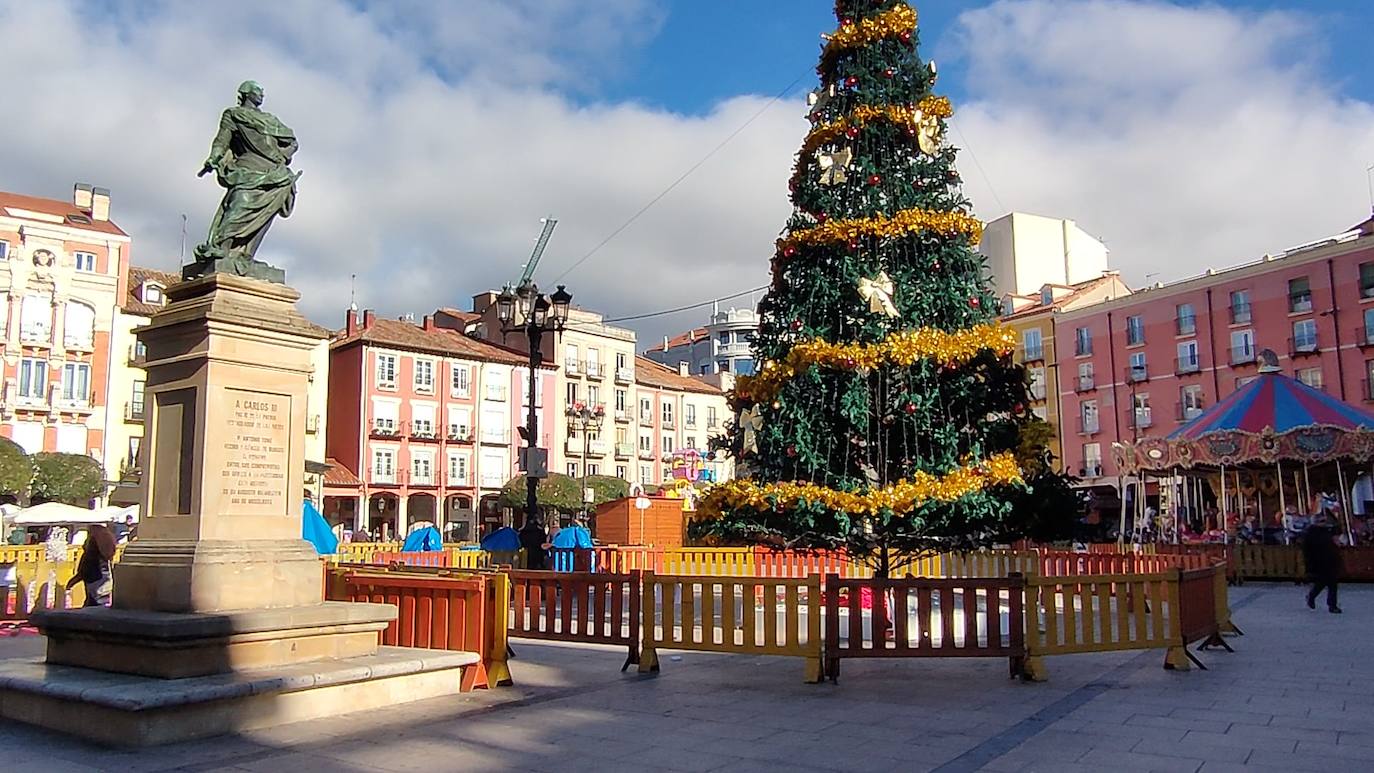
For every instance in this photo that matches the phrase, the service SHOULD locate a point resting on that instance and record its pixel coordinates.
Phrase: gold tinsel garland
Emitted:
(889, 24)
(902, 348)
(905, 116)
(908, 221)
(900, 497)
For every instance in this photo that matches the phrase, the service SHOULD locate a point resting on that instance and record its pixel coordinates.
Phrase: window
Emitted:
(1086, 376)
(1299, 295)
(622, 436)
(621, 471)
(421, 468)
(1140, 408)
(570, 393)
(383, 465)
(667, 414)
(1242, 346)
(461, 381)
(85, 261)
(593, 362)
(494, 427)
(493, 470)
(593, 395)
(724, 338)
(152, 294)
(78, 326)
(1240, 307)
(76, 383)
(646, 409)
(646, 474)
(691, 441)
(742, 366)
(572, 469)
(1083, 342)
(525, 390)
(1037, 382)
(621, 396)
(495, 385)
(1035, 347)
(4, 250)
(35, 319)
(570, 358)
(1135, 330)
(1311, 377)
(593, 469)
(711, 419)
(136, 400)
(1188, 361)
(385, 417)
(1367, 333)
(1186, 319)
(1305, 335)
(646, 443)
(1046, 296)
(1088, 417)
(1092, 458)
(1367, 280)
(386, 371)
(424, 375)
(620, 360)
(1138, 370)
(422, 421)
(458, 470)
(667, 444)
(1190, 402)
(690, 416)
(33, 379)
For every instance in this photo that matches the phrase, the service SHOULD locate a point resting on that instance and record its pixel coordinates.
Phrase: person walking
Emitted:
(93, 568)
(1324, 568)
(533, 539)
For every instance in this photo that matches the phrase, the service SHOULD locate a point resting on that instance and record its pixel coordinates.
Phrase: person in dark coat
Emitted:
(1323, 559)
(533, 539)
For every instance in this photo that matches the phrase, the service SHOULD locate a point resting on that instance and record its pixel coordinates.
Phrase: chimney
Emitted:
(428, 323)
(369, 317)
(100, 204)
(684, 368)
(483, 301)
(351, 322)
(665, 343)
(81, 196)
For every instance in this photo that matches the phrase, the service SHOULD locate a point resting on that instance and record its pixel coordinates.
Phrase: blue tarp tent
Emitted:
(315, 530)
(426, 539)
(567, 544)
(505, 540)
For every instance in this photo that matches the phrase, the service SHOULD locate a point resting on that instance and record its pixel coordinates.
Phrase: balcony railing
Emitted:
(1140, 418)
(573, 446)
(423, 431)
(1299, 304)
(1243, 355)
(1032, 353)
(1085, 384)
(624, 375)
(646, 417)
(1303, 347)
(1364, 336)
(493, 481)
(712, 422)
(595, 370)
(1088, 426)
(1082, 348)
(622, 415)
(1037, 391)
(1092, 468)
(383, 478)
(1136, 374)
(35, 336)
(385, 429)
(645, 453)
(1240, 313)
(423, 479)
(1185, 326)
(496, 392)
(571, 366)
(1185, 412)
(624, 450)
(459, 433)
(498, 437)
(669, 422)
(133, 411)
(1186, 365)
(596, 447)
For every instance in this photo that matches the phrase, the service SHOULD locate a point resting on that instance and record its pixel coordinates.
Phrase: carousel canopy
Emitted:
(1275, 402)
(1272, 418)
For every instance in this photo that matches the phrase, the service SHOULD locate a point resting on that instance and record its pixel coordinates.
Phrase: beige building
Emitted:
(146, 294)
(1026, 252)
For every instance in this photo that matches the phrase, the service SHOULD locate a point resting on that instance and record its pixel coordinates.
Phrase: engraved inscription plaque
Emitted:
(256, 453)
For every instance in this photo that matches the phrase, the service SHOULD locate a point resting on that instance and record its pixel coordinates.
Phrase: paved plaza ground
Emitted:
(1295, 696)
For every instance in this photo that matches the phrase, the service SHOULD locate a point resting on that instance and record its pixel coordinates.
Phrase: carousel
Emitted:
(1256, 467)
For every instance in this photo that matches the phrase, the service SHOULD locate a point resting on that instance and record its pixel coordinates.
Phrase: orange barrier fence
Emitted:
(788, 563)
(587, 607)
(427, 558)
(928, 618)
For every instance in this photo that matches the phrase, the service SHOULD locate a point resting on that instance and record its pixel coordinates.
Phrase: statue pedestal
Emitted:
(219, 582)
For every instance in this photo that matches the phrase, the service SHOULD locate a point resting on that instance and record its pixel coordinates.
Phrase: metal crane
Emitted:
(528, 275)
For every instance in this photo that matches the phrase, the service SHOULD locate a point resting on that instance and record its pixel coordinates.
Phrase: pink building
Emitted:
(1144, 364)
(423, 426)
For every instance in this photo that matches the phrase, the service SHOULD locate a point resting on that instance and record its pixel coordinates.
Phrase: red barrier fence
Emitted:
(445, 613)
(787, 563)
(929, 618)
(587, 607)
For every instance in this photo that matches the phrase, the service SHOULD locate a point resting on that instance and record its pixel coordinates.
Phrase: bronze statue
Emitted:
(251, 157)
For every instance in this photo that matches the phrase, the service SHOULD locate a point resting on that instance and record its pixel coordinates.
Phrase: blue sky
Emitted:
(434, 135)
(708, 50)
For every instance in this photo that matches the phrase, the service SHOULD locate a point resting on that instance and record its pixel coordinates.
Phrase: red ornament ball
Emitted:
(974, 302)
(791, 450)
(910, 408)
(906, 37)
(874, 179)
(852, 132)
(854, 245)
(1018, 408)
(890, 73)
(796, 324)
(851, 82)
(820, 217)
(936, 265)
(846, 22)
(789, 251)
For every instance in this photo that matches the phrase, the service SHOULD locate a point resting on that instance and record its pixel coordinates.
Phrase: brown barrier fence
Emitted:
(928, 618)
(588, 607)
(1198, 620)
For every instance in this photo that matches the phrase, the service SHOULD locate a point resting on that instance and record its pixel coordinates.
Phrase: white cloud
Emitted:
(434, 135)
(1184, 137)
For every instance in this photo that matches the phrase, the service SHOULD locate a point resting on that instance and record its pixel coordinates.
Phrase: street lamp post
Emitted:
(584, 418)
(524, 310)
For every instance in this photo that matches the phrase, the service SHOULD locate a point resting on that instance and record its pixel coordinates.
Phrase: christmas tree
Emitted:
(886, 411)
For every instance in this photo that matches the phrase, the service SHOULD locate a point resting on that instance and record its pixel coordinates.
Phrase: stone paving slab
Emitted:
(1294, 696)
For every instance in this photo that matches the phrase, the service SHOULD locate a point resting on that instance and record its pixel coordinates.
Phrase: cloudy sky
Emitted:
(435, 135)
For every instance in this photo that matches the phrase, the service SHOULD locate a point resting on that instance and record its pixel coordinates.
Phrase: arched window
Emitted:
(35, 319)
(78, 326)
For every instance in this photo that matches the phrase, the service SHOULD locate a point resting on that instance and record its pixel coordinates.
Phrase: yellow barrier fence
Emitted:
(1269, 562)
(723, 614)
(986, 564)
(715, 562)
(1102, 613)
(40, 585)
